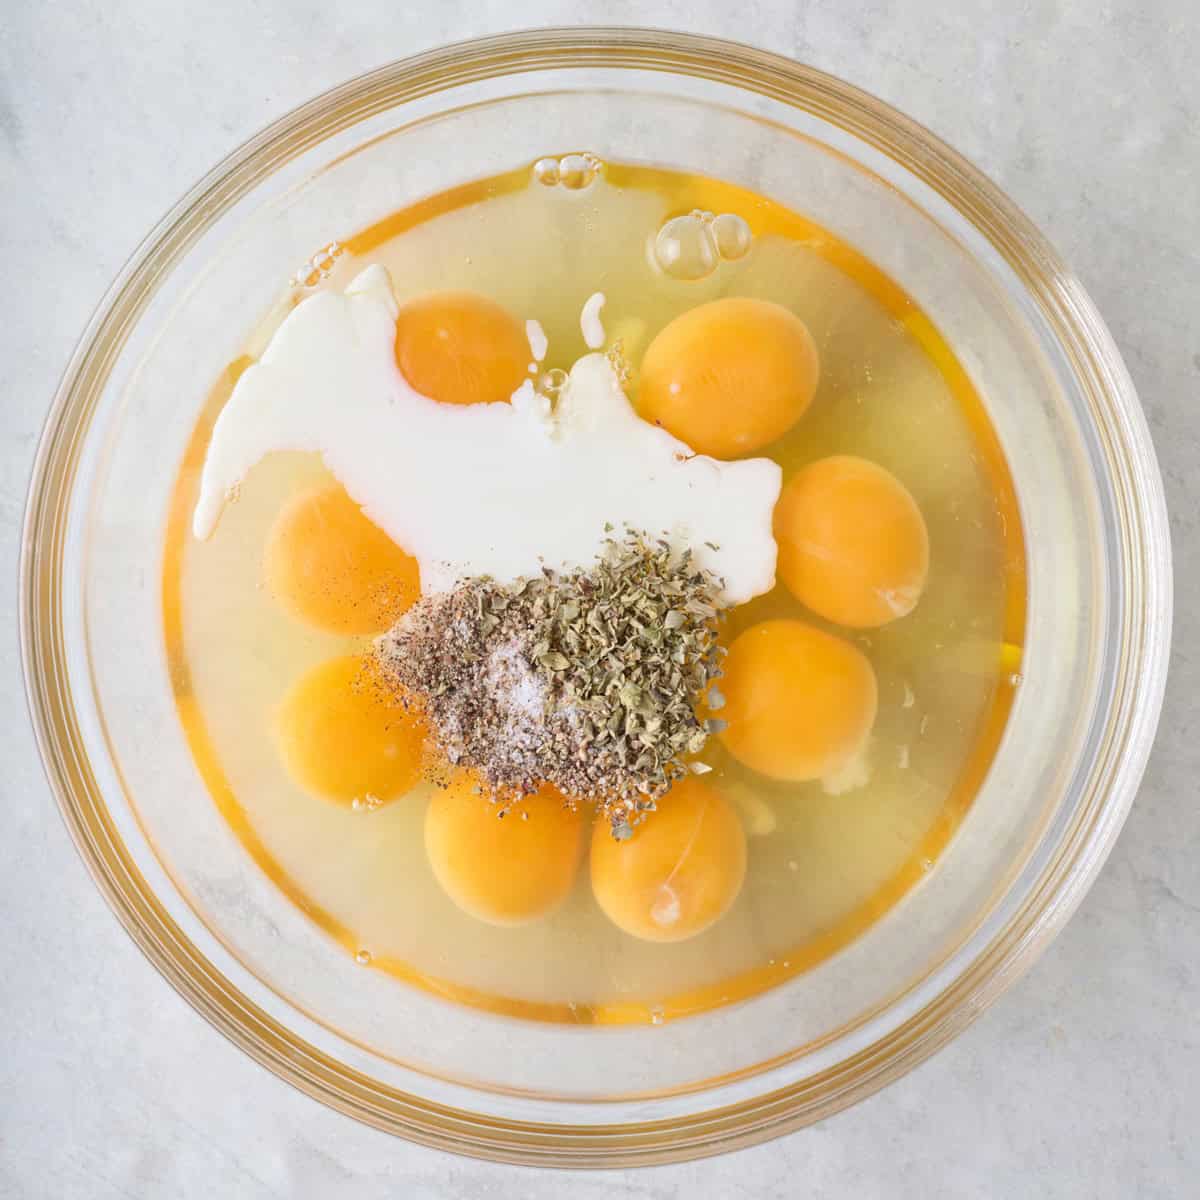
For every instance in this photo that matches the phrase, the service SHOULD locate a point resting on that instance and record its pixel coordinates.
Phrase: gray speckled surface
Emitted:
(1085, 1079)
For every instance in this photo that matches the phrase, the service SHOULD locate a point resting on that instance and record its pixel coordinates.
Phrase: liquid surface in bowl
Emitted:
(863, 693)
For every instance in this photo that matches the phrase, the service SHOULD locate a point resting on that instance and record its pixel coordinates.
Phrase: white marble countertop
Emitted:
(1085, 1079)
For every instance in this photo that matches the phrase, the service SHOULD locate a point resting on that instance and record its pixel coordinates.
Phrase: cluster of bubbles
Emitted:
(693, 246)
(551, 383)
(620, 362)
(318, 267)
(572, 171)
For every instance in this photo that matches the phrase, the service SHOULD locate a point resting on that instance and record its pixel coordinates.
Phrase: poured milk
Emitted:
(484, 489)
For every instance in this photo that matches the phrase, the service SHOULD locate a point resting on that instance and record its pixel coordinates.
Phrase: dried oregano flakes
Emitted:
(588, 679)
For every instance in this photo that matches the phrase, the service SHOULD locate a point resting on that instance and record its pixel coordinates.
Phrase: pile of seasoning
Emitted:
(589, 679)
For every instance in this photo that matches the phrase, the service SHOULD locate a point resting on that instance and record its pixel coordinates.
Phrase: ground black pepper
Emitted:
(589, 679)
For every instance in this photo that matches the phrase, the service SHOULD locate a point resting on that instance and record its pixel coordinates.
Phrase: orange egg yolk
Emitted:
(461, 348)
(331, 566)
(853, 545)
(799, 702)
(345, 734)
(505, 870)
(730, 376)
(678, 873)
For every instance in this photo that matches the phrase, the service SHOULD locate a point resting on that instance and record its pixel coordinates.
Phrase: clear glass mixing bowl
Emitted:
(489, 1085)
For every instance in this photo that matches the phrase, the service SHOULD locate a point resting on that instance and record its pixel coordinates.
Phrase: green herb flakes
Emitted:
(588, 679)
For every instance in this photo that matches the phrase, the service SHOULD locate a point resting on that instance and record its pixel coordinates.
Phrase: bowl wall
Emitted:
(1059, 786)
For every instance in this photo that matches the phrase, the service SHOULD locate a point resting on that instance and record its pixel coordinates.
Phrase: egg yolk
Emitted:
(461, 348)
(799, 702)
(345, 734)
(853, 545)
(331, 566)
(678, 873)
(730, 376)
(505, 870)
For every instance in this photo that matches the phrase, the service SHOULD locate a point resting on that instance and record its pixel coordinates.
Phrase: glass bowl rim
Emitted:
(1123, 748)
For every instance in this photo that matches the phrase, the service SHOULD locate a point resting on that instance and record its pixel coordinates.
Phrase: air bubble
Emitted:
(657, 1016)
(572, 171)
(552, 382)
(545, 170)
(363, 958)
(685, 248)
(1016, 679)
(927, 864)
(732, 236)
(576, 171)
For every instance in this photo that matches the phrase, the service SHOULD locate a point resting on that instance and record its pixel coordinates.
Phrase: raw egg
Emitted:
(730, 376)
(334, 568)
(680, 870)
(505, 870)
(853, 545)
(799, 702)
(345, 734)
(461, 348)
